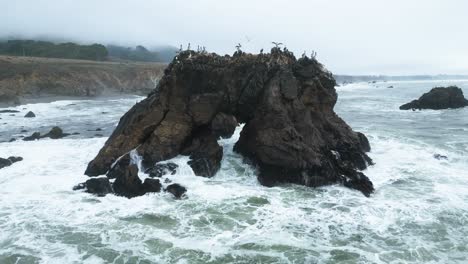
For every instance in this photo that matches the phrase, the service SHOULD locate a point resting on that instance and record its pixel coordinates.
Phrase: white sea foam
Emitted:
(418, 213)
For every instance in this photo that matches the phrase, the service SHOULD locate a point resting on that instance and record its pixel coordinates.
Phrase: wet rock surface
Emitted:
(291, 131)
(9, 161)
(160, 170)
(438, 98)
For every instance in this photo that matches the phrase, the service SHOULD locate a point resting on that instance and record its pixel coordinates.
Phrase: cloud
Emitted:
(354, 37)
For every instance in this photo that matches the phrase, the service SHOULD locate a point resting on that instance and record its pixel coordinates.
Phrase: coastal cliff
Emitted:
(23, 78)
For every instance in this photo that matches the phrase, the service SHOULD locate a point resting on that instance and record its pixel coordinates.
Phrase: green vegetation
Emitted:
(47, 49)
(96, 52)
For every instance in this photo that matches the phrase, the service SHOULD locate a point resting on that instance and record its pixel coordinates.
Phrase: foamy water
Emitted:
(418, 214)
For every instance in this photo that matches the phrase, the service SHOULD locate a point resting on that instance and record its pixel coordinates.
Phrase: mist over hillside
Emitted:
(52, 48)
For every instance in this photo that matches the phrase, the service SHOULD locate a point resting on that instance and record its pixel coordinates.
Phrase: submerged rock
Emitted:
(34, 136)
(8, 111)
(160, 170)
(438, 98)
(440, 157)
(30, 114)
(291, 131)
(177, 190)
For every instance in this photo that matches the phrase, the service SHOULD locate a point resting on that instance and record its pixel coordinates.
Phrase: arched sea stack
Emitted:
(291, 131)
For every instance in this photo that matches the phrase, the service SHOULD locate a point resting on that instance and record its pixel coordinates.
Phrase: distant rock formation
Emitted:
(291, 131)
(438, 98)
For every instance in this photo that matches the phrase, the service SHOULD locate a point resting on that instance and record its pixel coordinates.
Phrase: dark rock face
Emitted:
(160, 170)
(30, 114)
(223, 125)
(9, 161)
(291, 131)
(128, 184)
(177, 190)
(438, 98)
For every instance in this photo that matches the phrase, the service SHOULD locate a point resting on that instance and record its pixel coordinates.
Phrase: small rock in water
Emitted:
(177, 190)
(55, 133)
(30, 114)
(162, 169)
(391, 86)
(99, 186)
(98, 129)
(23, 131)
(151, 185)
(440, 157)
(98, 135)
(12, 139)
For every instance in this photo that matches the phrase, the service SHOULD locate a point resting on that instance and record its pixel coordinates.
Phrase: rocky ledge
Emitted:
(291, 132)
(438, 98)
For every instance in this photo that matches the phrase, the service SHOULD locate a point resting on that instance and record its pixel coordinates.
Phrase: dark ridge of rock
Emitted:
(98, 135)
(177, 190)
(9, 161)
(54, 133)
(438, 98)
(291, 131)
(99, 186)
(160, 170)
(34, 136)
(128, 184)
(151, 185)
(12, 140)
(8, 111)
(223, 125)
(30, 114)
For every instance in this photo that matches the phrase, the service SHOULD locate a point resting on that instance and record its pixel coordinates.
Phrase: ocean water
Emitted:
(418, 214)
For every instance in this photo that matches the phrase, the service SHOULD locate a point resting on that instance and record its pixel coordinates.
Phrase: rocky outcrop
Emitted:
(54, 133)
(23, 78)
(9, 161)
(438, 98)
(98, 186)
(291, 131)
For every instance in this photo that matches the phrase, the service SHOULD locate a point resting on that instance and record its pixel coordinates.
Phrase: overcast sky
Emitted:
(350, 37)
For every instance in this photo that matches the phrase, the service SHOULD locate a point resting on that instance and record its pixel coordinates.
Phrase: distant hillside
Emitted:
(96, 52)
(69, 50)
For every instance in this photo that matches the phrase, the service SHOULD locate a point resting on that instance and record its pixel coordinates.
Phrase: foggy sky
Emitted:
(351, 37)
